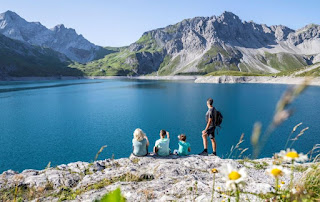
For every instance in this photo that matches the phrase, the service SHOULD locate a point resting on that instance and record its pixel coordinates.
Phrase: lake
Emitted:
(67, 121)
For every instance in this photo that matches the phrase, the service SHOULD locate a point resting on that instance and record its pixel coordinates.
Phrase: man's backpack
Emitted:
(218, 118)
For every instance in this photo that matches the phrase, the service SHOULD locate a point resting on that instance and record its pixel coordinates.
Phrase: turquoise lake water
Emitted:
(68, 121)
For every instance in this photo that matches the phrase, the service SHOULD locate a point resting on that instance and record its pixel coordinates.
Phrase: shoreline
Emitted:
(168, 180)
(287, 80)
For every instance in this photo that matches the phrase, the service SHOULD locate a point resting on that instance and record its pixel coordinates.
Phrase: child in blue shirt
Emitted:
(184, 147)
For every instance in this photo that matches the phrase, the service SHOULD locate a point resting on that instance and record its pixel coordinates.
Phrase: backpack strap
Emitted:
(215, 116)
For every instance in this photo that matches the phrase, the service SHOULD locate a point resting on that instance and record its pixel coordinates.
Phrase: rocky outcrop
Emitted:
(147, 178)
(61, 39)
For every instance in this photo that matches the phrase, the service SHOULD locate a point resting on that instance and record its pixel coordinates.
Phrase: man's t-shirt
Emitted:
(163, 146)
(210, 114)
(183, 148)
(139, 147)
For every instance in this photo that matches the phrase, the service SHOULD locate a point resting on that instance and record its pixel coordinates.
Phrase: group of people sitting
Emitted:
(141, 143)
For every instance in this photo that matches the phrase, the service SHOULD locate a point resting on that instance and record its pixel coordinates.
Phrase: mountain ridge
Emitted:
(59, 38)
(202, 45)
(198, 45)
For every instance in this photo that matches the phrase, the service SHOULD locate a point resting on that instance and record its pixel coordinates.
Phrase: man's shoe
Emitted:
(214, 153)
(204, 153)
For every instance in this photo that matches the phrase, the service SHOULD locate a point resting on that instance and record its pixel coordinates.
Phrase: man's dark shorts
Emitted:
(210, 132)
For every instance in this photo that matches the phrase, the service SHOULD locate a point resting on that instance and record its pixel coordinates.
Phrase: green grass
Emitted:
(315, 72)
(312, 183)
(207, 64)
(283, 61)
(168, 65)
(256, 165)
(121, 61)
(145, 38)
(113, 64)
(114, 196)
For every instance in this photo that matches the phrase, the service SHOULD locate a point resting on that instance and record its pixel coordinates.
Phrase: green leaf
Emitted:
(114, 196)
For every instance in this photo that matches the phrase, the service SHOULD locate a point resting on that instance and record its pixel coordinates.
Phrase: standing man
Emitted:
(209, 130)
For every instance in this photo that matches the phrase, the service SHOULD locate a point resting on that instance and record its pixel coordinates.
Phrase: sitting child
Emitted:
(140, 143)
(184, 147)
(162, 145)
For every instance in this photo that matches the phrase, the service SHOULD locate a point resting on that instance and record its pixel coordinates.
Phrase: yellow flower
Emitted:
(234, 175)
(234, 178)
(218, 187)
(291, 155)
(277, 171)
(282, 182)
(214, 170)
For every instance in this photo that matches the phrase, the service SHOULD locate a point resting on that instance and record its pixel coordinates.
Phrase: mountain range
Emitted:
(199, 45)
(59, 38)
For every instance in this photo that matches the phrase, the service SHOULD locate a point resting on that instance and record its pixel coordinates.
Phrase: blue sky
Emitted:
(121, 22)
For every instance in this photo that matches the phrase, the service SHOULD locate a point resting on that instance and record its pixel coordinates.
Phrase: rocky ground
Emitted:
(140, 179)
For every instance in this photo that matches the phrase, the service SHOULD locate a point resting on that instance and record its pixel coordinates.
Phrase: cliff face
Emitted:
(148, 178)
(225, 42)
(61, 39)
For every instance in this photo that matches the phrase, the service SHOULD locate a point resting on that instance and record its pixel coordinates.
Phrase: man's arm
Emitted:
(147, 141)
(208, 124)
(168, 135)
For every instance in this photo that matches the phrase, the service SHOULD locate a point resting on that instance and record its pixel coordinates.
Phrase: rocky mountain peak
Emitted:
(62, 28)
(228, 17)
(9, 15)
(309, 28)
(61, 39)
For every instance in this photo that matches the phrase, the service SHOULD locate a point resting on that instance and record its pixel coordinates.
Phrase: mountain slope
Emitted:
(220, 43)
(21, 59)
(59, 38)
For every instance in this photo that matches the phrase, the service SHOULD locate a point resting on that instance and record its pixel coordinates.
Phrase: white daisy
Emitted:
(291, 155)
(277, 171)
(234, 178)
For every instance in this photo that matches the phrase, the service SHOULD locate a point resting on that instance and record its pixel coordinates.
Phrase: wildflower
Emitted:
(294, 191)
(277, 171)
(292, 156)
(282, 182)
(234, 178)
(214, 170)
(218, 187)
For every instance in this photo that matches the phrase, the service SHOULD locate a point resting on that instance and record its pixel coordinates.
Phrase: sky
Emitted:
(122, 22)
